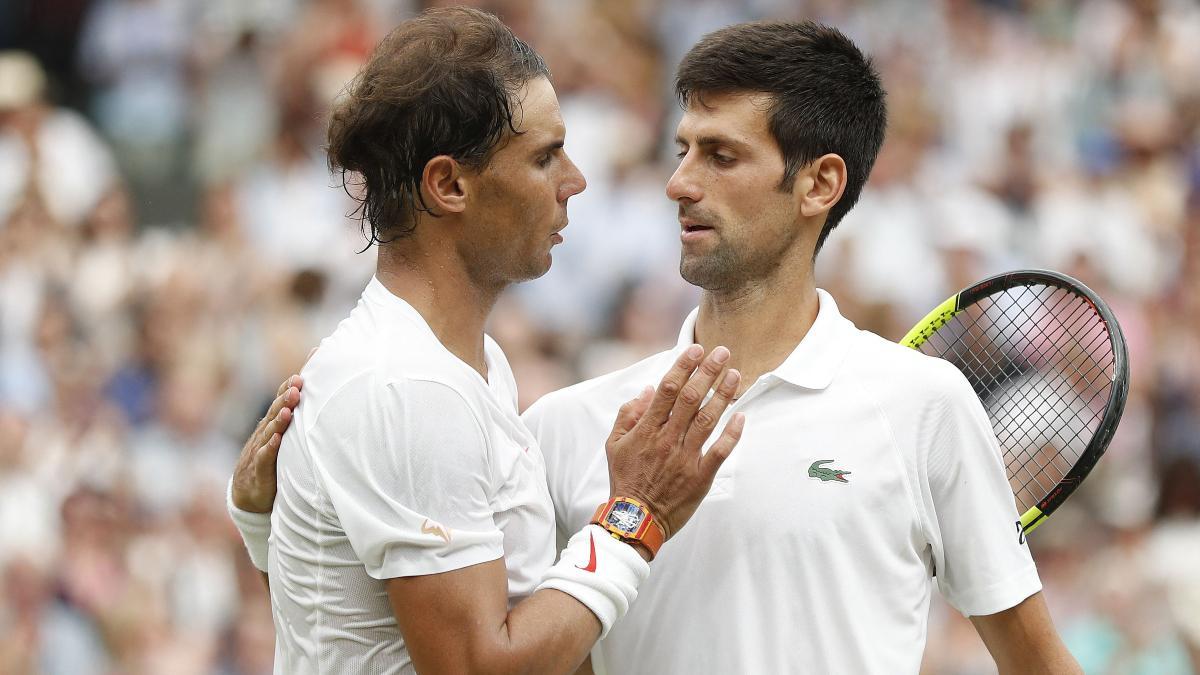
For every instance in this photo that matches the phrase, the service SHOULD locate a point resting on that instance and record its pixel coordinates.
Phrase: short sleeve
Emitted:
(405, 467)
(983, 565)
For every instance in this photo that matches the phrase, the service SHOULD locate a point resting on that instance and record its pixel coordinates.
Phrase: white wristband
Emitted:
(599, 571)
(255, 529)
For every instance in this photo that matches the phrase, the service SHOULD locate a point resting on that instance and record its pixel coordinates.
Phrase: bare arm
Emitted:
(459, 622)
(1022, 639)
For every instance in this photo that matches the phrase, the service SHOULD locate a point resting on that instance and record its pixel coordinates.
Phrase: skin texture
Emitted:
(492, 226)
(755, 266)
(1022, 639)
(454, 265)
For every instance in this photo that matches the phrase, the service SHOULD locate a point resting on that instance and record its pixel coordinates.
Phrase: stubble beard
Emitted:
(714, 271)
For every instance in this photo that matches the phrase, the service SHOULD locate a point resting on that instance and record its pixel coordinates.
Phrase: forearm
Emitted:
(1023, 640)
(460, 622)
(548, 632)
(1053, 661)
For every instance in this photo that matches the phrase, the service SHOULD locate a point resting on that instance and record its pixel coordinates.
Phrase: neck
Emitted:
(761, 322)
(436, 283)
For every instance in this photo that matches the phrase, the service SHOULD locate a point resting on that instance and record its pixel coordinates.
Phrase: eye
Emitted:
(544, 160)
(722, 160)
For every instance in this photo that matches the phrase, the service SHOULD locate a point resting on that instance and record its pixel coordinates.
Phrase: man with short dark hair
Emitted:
(867, 469)
(412, 529)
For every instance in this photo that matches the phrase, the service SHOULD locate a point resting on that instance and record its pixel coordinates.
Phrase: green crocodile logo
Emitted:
(824, 474)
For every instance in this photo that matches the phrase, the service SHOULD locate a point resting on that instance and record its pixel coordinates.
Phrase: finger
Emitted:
(283, 386)
(692, 396)
(264, 458)
(670, 386)
(284, 420)
(707, 417)
(629, 414)
(277, 425)
(287, 399)
(719, 452)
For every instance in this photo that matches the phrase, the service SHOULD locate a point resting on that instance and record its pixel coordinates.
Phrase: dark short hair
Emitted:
(442, 83)
(827, 96)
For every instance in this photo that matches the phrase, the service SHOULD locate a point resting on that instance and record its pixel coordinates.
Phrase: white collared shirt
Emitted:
(864, 469)
(401, 460)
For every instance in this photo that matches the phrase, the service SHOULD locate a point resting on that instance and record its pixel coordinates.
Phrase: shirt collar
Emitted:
(378, 294)
(815, 361)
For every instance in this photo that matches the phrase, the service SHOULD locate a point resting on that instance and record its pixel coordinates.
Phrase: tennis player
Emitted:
(868, 471)
(412, 529)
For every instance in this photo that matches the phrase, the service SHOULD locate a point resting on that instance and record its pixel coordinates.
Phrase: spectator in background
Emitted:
(135, 54)
(46, 153)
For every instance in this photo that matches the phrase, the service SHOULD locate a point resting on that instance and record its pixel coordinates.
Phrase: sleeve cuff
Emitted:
(997, 597)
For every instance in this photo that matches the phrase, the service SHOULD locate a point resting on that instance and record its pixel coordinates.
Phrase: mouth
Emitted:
(690, 229)
(555, 237)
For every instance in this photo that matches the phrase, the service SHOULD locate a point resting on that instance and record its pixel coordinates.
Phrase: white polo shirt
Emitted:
(401, 460)
(864, 469)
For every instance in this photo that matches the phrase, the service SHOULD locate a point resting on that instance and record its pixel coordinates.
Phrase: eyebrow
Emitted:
(550, 147)
(704, 141)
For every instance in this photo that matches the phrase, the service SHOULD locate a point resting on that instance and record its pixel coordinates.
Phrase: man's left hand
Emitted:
(254, 477)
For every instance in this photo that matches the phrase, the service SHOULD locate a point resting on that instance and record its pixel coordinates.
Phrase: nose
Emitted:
(573, 184)
(683, 184)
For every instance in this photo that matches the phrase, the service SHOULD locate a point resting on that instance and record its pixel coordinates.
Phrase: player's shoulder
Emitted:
(386, 374)
(885, 366)
(600, 397)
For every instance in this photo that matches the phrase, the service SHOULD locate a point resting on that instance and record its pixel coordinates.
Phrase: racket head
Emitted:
(1047, 358)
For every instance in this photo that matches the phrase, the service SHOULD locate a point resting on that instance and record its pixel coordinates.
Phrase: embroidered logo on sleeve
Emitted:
(824, 474)
(430, 527)
(591, 566)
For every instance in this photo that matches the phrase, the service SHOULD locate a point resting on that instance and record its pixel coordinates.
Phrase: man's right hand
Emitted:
(654, 450)
(254, 477)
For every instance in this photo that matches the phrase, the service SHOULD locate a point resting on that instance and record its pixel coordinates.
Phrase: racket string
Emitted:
(1033, 354)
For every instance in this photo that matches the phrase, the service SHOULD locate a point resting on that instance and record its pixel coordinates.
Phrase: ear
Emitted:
(820, 185)
(442, 185)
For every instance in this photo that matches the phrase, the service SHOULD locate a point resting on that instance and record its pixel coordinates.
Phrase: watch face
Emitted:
(626, 517)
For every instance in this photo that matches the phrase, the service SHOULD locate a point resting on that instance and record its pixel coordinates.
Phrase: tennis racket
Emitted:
(1047, 358)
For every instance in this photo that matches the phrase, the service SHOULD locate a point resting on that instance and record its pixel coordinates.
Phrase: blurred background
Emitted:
(172, 245)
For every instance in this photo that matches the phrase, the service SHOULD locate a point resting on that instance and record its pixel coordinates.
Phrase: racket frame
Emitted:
(955, 304)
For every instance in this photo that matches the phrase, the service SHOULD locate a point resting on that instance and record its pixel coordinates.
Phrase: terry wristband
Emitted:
(255, 529)
(599, 571)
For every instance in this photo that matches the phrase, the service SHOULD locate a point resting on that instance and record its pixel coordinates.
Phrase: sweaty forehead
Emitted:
(739, 115)
(537, 115)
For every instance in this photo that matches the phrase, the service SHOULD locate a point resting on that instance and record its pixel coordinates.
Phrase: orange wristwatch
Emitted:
(630, 521)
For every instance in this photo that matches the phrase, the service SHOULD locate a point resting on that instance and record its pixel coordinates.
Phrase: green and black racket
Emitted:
(1048, 360)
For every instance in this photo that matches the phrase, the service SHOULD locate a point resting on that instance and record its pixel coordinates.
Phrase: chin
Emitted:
(538, 269)
(706, 272)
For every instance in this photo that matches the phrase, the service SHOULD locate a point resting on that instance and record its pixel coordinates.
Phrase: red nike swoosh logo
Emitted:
(591, 566)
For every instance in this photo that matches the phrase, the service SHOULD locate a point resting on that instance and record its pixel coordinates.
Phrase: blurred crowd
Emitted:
(172, 245)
